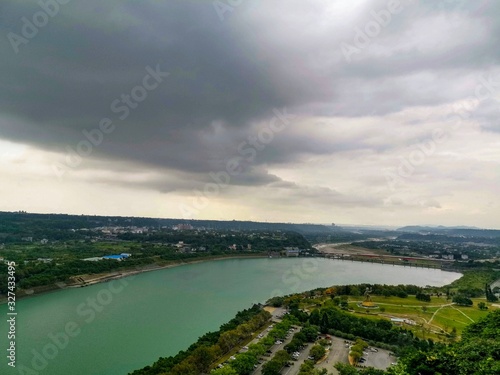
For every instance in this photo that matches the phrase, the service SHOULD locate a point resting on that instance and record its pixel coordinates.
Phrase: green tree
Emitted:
(462, 300)
(228, 340)
(317, 352)
(345, 369)
(356, 353)
(271, 368)
(203, 357)
(310, 332)
(226, 370)
(482, 306)
(243, 364)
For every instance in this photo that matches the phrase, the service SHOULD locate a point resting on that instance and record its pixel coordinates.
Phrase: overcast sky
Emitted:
(361, 112)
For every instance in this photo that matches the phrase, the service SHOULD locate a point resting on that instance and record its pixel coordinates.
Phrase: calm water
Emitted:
(116, 327)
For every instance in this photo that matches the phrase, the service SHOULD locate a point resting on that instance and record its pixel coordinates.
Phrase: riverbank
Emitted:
(81, 281)
(344, 251)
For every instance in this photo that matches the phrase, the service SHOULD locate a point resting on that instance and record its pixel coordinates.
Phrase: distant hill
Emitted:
(58, 226)
(458, 231)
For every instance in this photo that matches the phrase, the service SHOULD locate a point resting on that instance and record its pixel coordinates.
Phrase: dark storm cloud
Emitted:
(65, 79)
(226, 76)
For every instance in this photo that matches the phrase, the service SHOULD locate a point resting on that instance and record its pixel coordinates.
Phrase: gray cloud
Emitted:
(227, 77)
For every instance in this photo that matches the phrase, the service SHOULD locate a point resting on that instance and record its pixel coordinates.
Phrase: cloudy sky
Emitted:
(366, 112)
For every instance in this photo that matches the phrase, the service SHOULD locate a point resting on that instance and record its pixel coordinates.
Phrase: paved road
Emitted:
(294, 370)
(338, 353)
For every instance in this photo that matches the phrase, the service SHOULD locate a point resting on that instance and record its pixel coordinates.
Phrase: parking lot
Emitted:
(338, 352)
(275, 348)
(380, 360)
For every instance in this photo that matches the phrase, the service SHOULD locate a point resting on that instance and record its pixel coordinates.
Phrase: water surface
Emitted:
(126, 324)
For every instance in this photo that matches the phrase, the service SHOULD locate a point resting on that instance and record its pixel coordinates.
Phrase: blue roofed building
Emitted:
(118, 257)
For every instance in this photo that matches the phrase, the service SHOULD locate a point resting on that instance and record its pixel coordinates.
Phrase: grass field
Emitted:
(436, 319)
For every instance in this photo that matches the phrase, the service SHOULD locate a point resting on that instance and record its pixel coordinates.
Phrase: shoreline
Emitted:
(115, 275)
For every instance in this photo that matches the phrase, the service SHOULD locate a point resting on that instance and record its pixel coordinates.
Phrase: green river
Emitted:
(122, 325)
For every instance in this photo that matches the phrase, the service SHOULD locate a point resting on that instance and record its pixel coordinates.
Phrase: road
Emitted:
(294, 370)
(338, 353)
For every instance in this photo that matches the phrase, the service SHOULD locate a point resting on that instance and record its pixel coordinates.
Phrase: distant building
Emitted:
(464, 256)
(118, 257)
(45, 260)
(183, 227)
(44, 241)
(292, 252)
(185, 249)
(397, 321)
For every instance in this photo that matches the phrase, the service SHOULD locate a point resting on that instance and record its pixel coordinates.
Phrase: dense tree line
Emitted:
(243, 363)
(221, 240)
(199, 357)
(336, 322)
(16, 225)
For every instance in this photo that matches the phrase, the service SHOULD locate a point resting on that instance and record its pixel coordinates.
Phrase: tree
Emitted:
(317, 352)
(490, 296)
(203, 357)
(294, 345)
(462, 300)
(345, 369)
(226, 370)
(243, 364)
(310, 332)
(363, 344)
(271, 368)
(423, 297)
(228, 340)
(356, 354)
(384, 324)
(482, 306)
(282, 356)
(185, 368)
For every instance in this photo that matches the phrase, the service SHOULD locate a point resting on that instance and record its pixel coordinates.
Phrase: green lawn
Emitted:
(446, 318)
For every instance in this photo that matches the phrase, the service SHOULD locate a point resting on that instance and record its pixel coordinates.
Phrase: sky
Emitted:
(321, 111)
